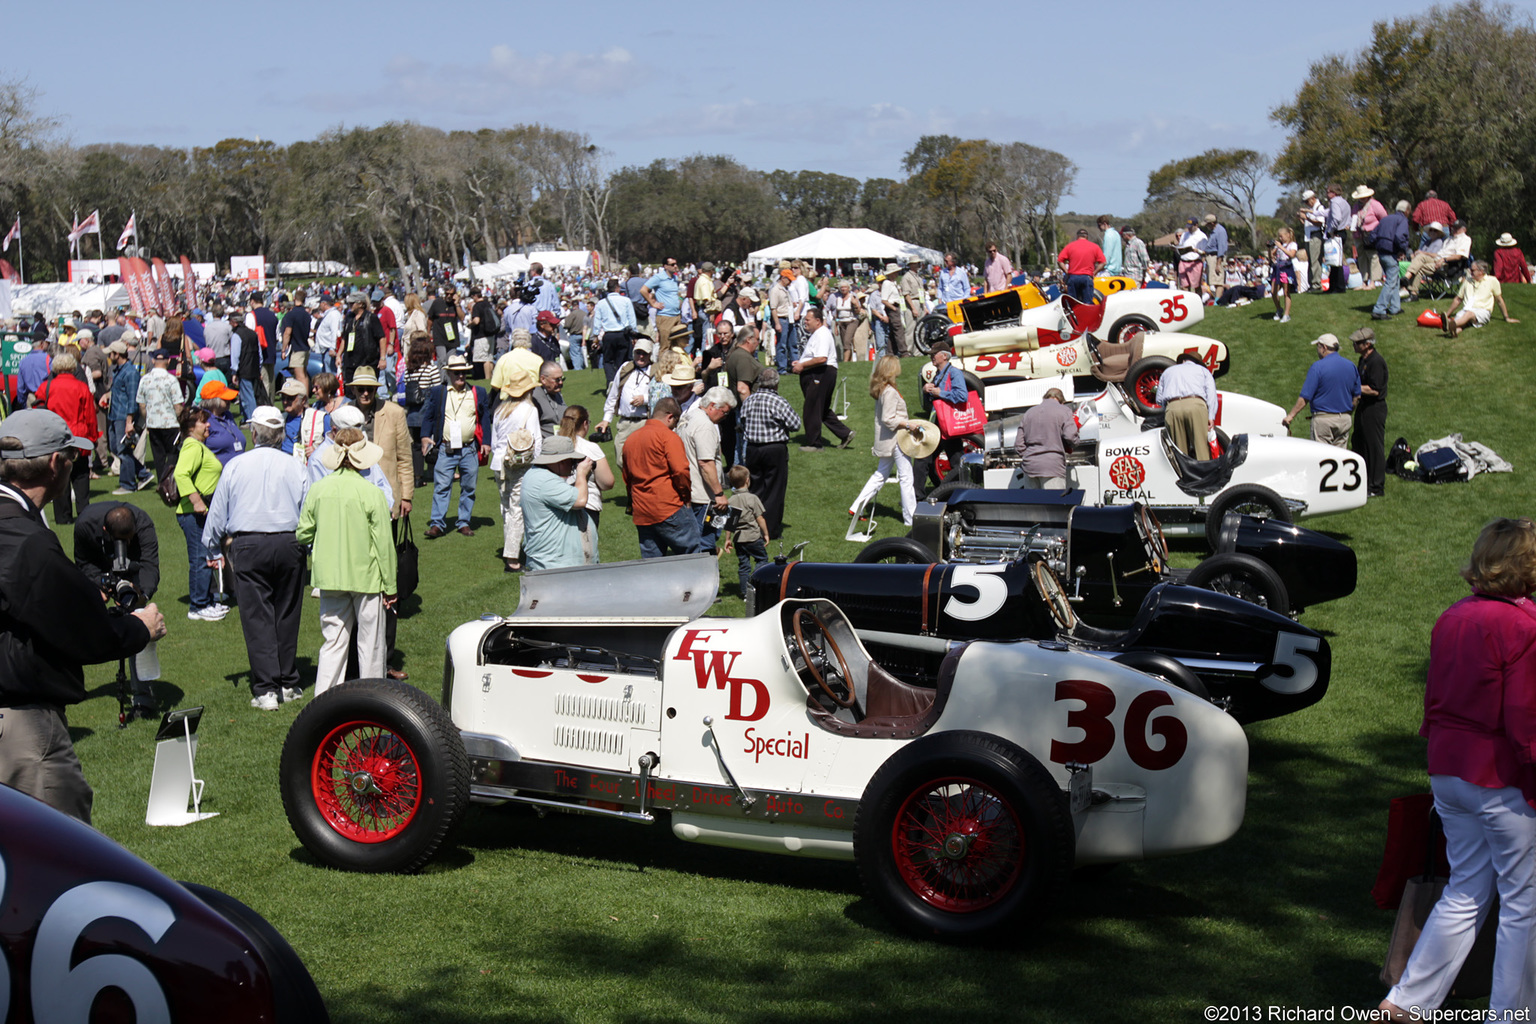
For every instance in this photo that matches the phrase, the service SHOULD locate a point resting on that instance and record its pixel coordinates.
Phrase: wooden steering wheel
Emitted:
(807, 649)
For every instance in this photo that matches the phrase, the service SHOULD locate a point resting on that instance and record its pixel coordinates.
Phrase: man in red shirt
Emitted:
(660, 486)
(1080, 260)
(1432, 210)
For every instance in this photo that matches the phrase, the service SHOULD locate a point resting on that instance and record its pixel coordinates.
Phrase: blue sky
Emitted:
(1119, 87)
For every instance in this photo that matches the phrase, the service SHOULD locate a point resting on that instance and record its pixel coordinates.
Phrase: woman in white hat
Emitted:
(516, 441)
(346, 523)
(1369, 212)
(890, 419)
(1509, 264)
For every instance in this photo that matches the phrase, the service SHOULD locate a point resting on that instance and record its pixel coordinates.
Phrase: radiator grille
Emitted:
(601, 709)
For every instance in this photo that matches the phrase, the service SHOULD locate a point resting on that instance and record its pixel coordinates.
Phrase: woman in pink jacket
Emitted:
(1368, 211)
(1480, 720)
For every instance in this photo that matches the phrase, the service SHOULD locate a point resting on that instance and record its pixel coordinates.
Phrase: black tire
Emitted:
(901, 550)
(1244, 576)
(294, 995)
(371, 727)
(1021, 840)
(1166, 668)
(1141, 383)
(942, 492)
(1247, 499)
(1141, 323)
(928, 329)
(952, 475)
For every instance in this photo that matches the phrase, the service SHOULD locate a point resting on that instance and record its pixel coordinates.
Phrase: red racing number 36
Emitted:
(1098, 731)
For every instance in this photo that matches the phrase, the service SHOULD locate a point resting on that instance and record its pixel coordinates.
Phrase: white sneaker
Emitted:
(210, 614)
(222, 609)
(1283, 320)
(266, 702)
(292, 694)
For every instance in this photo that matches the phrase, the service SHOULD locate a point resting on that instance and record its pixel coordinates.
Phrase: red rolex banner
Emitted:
(140, 289)
(163, 292)
(8, 272)
(130, 278)
(188, 284)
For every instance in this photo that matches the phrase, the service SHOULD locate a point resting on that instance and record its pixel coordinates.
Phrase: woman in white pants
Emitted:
(890, 416)
(346, 522)
(515, 430)
(1480, 720)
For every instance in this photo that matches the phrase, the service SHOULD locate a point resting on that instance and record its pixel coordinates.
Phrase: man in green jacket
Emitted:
(346, 521)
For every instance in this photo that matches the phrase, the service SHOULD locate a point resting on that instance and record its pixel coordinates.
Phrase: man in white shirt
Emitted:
(699, 428)
(817, 367)
(890, 296)
(628, 404)
(1314, 217)
(1187, 392)
(327, 332)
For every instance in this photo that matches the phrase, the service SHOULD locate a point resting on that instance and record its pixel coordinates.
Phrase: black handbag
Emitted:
(407, 559)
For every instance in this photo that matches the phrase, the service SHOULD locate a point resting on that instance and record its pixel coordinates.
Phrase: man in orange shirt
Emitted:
(660, 486)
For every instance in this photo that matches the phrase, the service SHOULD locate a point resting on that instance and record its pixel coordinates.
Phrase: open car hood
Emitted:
(679, 585)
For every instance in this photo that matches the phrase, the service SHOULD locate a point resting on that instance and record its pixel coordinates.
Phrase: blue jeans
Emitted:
(749, 555)
(128, 466)
(199, 576)
(882, 335)
(467, 462)
(577, 352)
(1080, 287)
(678, 534)
(247, 398)
(707, 535)
(789, 345)
(1389, 301)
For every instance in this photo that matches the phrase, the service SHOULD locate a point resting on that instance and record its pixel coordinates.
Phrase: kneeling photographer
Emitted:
(53, 620)
(116, 545)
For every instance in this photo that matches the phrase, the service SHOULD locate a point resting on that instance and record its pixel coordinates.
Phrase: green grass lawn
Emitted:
(573, 919)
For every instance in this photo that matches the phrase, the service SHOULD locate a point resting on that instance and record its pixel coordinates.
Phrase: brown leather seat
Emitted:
(895, 708)
(1116, 358)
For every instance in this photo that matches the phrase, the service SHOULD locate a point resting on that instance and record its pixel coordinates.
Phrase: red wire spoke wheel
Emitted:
(961, 835)
(958, 845)
(374, 776)
(367, 782)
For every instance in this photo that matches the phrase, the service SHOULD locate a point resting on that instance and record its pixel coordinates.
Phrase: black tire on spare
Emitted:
(294, 995)
(1244, 576)
(929, 329)
(1125, 323)
(942, 492)
(896, 549)
(1141, 383)
(1166, 668)
(1248, 499)
(374, 776)
(963, 836)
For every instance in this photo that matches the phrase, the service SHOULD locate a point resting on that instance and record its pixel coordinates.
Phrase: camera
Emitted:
(119, 584)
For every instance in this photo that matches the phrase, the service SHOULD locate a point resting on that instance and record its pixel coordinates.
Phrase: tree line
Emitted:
(403, 193)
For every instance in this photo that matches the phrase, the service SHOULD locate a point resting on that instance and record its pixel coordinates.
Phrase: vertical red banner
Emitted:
(163, 293)
(188, 284)
(146, 286)
(129, 272)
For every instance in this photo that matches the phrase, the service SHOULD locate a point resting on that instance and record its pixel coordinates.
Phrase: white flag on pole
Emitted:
(130, 230)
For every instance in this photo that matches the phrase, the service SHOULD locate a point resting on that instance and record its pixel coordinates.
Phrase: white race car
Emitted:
(964, 803)
(1279, 477)
(1122, 311)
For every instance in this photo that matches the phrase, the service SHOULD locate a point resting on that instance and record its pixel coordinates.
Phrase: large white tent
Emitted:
(829, 245)
(54, 299)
